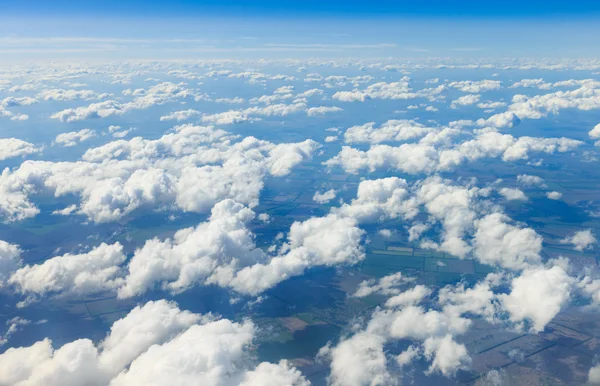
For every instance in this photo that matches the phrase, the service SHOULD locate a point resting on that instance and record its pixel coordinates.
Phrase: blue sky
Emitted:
(242, 29)
(477, 8)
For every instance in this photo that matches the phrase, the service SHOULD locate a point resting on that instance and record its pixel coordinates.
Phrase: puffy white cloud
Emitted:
(446, 355)
(454, 207)
(529, 180)
(13, 147)
(150, 346)
(476, 86)
(507, 119)
(409, 297)
(392, 130)
(68, 95)
(537, 296)
(595, 132)
(408, 157)
(580, 240)
(594, 375)
(584, 98)
(74, 137)
(13, 102)
(358, 361)
(72, 274)
(14, 324)
(466, 100)
(509, 148)
(424, 158)
(554, 195)
(380, 199)
(181, 115)
(221, 251)
(387, 285)
(322, 198)
(10, 259)
(208, 253)
(190, 169)
(318, 241)
(95, 110)
(322, 110)
(383, 90)
(491, 105)
(513, 194)
(496, 242)
(227, 118)
(155, 95)
(266, 373)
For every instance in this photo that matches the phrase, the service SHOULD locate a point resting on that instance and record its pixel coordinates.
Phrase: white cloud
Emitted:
(513, 194)
(69, 95)
(580, 240)
(155, 95)
(529, 180)
(392, 130)
(380, 199)
(221, 251)
(181, 115)
(497, 242)
(10, 259)
(595, 132)
(322, 198)
(13, 147)
(322, 110)
(72, 274)
(74, 137)
(357, 361)
(554, 195)
(446, 355)
(466, 100)
(537, 296)
(150, 346)
(95, 110)
(387, 285)
(594, 375)
(476, 86)
(191, 169)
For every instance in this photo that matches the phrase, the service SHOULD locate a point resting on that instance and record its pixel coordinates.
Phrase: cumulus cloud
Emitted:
(190, 169)
(580, 240)
(554, 195)
(392, 130)
(380, 199)
(529, 180)
(382, 90)
(476, 86)
(68, 95)
(595, 132)
(537, 296)
(150, 345)
(322, 198)
(322, 110)
(513, 194)
(497, 242)
(424, 158)
(13, 147)
(221, 251)
(72, 274)
(74, 137)
(387, 285)
(10, 259)
(155, 95)
(181, 115)
(466, 100)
